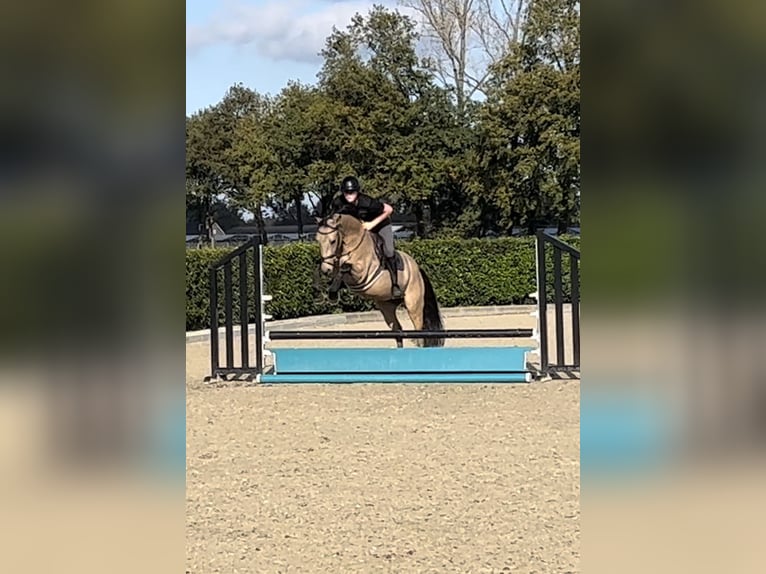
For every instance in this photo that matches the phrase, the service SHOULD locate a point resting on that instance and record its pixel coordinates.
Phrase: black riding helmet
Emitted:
(349, 184)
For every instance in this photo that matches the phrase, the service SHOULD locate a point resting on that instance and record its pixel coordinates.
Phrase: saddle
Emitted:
(380, 253)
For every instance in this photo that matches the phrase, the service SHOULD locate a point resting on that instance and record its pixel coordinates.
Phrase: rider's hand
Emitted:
(367, 225)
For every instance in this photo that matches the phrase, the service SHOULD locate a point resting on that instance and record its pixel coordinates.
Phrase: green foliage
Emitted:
(530, 154)
(478, 272)
(463, 272)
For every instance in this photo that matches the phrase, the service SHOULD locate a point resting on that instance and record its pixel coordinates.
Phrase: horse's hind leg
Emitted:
(413, 301)
(389, 314)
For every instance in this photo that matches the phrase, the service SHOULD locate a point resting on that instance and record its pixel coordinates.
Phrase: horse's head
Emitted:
(339, 237)
(330, 241)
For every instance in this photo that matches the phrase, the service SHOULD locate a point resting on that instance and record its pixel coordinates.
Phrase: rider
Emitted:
(375, 217)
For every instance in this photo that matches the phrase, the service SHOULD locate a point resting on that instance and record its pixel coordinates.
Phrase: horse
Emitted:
(351, 253)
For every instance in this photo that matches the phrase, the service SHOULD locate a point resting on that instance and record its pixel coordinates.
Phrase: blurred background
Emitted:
(92, 414)
(673, 412)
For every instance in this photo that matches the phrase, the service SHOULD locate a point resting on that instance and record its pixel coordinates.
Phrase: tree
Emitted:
(205, 184)
(396, 125)
(464, 38)
(530, 156)
(214, 165)
(240, 117)
(278, 156)
(499, 28)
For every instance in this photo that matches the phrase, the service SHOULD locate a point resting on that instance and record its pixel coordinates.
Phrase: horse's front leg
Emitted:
(339, 280)
(389, 314)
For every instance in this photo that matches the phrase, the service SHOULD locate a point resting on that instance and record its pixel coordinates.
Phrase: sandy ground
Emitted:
(382, 478)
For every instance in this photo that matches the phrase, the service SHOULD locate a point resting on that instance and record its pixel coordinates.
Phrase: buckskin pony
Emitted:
(352, 255)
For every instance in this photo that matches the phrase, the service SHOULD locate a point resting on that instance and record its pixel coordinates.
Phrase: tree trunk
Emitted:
(419, 223)
(512, 218)
(299, 214)
(210, 232)
(201, 223)
(261, 224)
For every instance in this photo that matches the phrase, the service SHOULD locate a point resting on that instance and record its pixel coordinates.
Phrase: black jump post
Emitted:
(248, 308)
(559, 249)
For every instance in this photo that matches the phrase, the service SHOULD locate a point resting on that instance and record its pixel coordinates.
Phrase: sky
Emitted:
(259, 43)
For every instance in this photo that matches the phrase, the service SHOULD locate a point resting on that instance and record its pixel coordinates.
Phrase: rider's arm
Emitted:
(387, 210)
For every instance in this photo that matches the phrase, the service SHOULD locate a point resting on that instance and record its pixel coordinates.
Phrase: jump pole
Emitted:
(456, 334)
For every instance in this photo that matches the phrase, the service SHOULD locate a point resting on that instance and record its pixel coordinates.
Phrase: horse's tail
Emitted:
(432, 319)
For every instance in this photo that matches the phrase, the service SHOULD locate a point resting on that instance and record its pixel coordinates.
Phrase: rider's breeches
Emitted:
(387, 233)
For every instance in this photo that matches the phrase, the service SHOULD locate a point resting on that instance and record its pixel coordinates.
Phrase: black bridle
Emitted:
(336, 257)
(337, 270)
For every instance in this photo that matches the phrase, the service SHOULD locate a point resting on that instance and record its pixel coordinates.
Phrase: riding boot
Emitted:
(396, 293)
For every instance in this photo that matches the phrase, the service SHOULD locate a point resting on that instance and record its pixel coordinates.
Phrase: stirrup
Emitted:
(396, 292)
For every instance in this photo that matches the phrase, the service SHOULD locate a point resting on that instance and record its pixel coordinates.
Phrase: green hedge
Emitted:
(476, 272)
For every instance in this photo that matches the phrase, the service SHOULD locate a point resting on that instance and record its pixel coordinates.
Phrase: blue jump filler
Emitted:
(405, 365)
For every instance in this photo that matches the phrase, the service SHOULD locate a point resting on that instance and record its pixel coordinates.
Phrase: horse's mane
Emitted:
(350, 223)
(347, 222)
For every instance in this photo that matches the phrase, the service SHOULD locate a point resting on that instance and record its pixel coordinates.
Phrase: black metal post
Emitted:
(243, 335)
(229, 318)
(575, 291)
(542, 303)
(258, 292)
(213, 284)
(558, 291)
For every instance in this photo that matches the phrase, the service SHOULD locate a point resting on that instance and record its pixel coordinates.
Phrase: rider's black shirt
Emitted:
(366, 208)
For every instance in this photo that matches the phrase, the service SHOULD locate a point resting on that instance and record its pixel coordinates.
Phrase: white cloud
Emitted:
(280, 30)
